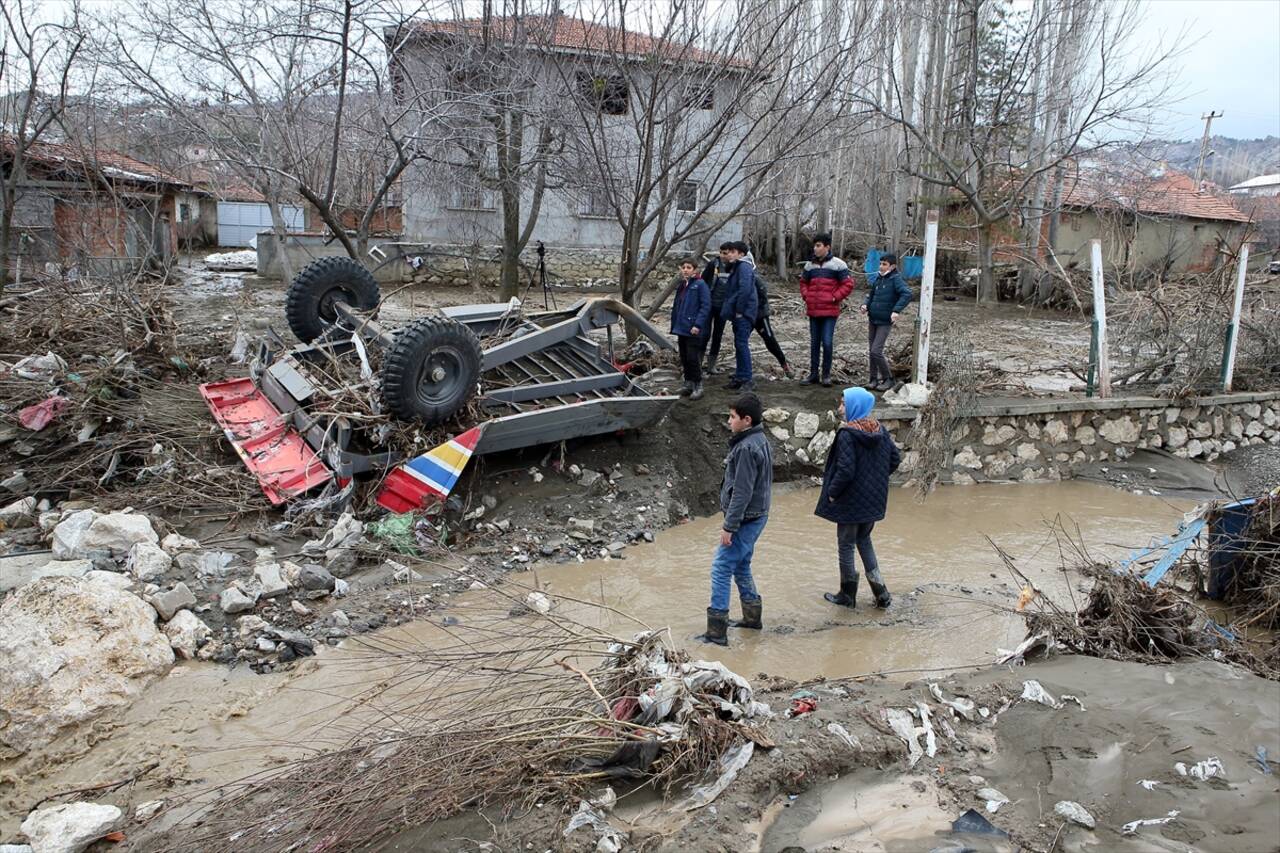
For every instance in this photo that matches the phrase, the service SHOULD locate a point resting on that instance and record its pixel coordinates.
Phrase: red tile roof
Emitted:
(1170, 194)
(568, 33)
(111, 164)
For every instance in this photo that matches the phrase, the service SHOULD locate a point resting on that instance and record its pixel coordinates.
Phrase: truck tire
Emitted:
(431, 370)
(308, 305)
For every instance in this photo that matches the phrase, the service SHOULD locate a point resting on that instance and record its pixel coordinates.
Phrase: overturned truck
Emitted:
(524, 377)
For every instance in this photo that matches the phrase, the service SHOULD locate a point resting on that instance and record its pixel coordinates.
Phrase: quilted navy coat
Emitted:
(855, 481)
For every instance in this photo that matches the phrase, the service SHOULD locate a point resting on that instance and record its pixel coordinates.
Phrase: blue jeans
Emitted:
(742, 327)
(734, 562)
(822, 336)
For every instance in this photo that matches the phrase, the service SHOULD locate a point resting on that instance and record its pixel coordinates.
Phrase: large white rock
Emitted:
(992, 437)
(806, 425)
(20, 513)
(967, 459)
(148, 561)
(19, 570)
(1120, 431)
(1177, 438)
(69, 828)
(185, 632)
(69, 650)
(1086, 435)
(88, 533)
(175, 542)
(820, 444)
(776, 416)
(912, 394)
(1055, 432)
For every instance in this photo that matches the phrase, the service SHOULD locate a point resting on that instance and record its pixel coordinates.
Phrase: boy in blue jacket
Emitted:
(887, 297)
(741, 308)
(855, 493)
(690, 315)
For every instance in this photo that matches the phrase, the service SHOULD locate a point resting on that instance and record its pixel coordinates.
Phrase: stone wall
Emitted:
(1048, 439)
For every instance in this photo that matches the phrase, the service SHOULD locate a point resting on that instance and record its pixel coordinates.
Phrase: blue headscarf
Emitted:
(858, 403)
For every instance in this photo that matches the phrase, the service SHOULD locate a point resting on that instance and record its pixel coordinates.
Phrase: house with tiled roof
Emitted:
(94, 209)
(445, 200)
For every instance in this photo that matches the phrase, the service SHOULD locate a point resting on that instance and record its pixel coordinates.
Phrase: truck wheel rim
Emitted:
(439, 376)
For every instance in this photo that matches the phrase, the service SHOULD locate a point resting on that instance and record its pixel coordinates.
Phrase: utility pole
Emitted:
(1207, 118)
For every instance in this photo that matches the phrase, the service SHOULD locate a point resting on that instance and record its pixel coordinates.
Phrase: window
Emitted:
(595, 203)
(701, 97)
(468, 193)
(184, 212)
(687, 196)
(608, 92)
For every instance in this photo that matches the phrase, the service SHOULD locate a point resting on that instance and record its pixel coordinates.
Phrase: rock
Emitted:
(1177, 438)
(145, 811)
(616, 547)
(1028, 452)
(960, 478)
(1120, 431)
(186, 633)
(269, 578)
(316, 578)
(806, 425)
(404, 574)
(19, 571)
(69, 650)
(69, 828)
(1202, 429)
(802, 455)
(17, 481)
(16, 848)
(168, 603)
(87, 533)
(341, 620)
(584, 525)
(538, 601)
(20, 513)
(589, 478)
(235, 600)
(780, 433)
(776, 416)
(1055, 432)
(340, 561)
(115, 580)
(820, 444)
(641, 470)
(299, 608)
(173, 543)
(1087, 435)
(489, 501)
(476, 586)
(148, 561)
(1075, 813)
(993, 437)
(911, 394)
(249, 625)
(1253, 429)
(265, 645)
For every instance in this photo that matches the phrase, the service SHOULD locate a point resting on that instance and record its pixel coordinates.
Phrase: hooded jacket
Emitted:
(824, 285)
(855, 479)
(886, 295)
(748, 478)
(741, 296)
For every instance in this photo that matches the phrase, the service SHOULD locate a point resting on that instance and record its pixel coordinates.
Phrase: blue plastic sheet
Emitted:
(911, 266)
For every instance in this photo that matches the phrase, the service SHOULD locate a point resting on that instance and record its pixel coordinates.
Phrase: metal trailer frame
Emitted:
(546, 380)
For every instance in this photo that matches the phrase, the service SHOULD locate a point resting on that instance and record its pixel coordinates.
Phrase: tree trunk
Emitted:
(510, 284)
(6, 228)
(987, 290)
(282, 236)
(780, 236)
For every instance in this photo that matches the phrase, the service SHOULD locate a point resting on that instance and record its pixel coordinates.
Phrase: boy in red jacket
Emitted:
(824, 284)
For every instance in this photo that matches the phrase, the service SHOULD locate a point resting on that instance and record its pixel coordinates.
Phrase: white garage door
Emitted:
(240, 221)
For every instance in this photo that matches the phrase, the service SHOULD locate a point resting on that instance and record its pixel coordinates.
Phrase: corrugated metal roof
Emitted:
(1260, 181)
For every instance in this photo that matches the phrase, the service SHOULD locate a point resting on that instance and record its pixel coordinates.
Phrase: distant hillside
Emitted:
(1233, 160)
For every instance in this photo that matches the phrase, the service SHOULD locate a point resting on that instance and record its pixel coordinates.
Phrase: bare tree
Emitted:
(1026, 91)
(38, 60)
(680, 114)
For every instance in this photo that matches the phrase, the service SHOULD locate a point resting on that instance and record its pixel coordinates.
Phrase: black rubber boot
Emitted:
(847, 596)
(883, 598)
(751, 612)
(826, 381)
(697, 391)
(717, 628)
(811, 379)
(687, 389)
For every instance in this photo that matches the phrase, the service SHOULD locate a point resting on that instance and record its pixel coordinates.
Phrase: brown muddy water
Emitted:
(206, 725)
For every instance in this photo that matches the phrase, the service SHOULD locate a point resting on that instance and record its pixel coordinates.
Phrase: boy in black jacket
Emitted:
(855, 493)
(744, 497)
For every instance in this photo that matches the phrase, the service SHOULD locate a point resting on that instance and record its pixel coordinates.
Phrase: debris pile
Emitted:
(452, 727)
(1255, 588)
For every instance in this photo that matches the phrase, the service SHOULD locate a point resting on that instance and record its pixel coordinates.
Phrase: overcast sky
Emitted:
(1232, 64)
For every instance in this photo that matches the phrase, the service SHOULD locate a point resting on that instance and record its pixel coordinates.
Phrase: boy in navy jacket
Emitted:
(690, 315)
(741, 307)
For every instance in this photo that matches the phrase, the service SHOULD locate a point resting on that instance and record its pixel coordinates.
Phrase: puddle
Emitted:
(867, 813)
(938, 547)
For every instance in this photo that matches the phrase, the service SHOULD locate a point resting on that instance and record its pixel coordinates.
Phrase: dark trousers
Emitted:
(822, 336)
(742, 327)
(717, 333)
(876, 337)
(690, 347)
(851, 537)
(765, 330)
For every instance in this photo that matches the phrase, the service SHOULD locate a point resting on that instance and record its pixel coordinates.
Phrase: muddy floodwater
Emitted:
(952, 607)
(953, 596)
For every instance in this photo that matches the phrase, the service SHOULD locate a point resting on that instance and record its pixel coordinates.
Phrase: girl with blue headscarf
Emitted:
(855, 493)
